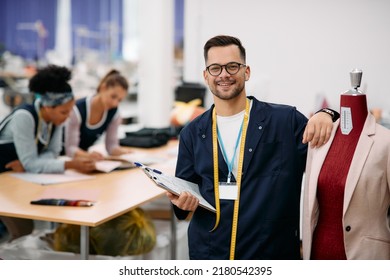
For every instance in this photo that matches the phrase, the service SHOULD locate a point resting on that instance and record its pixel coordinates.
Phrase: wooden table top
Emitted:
(116, 193)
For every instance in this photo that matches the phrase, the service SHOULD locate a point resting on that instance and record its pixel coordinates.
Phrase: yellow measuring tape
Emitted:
(239, 175)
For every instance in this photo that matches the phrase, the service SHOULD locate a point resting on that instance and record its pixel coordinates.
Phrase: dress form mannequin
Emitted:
(328, 239)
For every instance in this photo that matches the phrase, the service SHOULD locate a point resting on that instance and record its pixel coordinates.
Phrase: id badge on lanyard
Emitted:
(228, 191)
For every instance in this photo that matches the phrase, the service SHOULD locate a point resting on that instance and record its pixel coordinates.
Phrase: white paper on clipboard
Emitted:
(175, 185)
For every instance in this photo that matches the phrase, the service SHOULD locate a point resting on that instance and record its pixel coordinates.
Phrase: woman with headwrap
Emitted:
(31, 135)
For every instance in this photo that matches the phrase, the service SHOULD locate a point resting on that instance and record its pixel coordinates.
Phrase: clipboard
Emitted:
(175, 185)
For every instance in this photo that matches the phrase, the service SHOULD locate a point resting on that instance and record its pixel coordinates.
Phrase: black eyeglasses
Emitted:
(232, 68)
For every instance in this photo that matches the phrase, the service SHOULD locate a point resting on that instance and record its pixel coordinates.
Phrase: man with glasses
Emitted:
(248, 158)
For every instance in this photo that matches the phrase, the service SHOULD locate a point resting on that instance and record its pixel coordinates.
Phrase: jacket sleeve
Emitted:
(184, 167)
(26, 148)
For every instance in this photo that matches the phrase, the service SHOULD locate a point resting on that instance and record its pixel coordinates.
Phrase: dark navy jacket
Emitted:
(274, 162)
(89, 136)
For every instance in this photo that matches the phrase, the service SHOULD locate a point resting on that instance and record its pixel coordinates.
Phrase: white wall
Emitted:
(298, 49)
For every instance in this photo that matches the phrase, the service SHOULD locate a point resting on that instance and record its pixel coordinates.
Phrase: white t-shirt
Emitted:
(229, 128)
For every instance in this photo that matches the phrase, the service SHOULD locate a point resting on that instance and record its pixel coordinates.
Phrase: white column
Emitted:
(130, 45)
(63, 40)
(156, 63)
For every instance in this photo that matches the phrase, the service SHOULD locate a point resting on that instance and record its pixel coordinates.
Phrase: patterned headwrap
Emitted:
(51, 99)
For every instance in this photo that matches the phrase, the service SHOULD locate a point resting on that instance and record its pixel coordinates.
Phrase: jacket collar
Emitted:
(256, 127)
(362, 151)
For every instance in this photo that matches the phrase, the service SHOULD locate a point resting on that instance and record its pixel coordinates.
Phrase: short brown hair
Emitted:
(222, 41)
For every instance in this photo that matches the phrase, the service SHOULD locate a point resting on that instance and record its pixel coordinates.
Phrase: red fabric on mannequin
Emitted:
(328, 240)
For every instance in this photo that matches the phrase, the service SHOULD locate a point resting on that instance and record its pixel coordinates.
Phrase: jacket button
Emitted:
(348, 228)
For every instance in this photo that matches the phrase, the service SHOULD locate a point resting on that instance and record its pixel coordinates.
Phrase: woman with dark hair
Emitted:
(97, 114)
(31, 135)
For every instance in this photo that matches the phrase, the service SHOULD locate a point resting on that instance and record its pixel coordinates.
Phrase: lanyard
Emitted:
(231, 163)
(239, 175)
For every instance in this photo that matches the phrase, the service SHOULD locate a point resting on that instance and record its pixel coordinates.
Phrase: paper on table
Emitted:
(107, 165)
(175, 185)
(48, 179)
(145, 158)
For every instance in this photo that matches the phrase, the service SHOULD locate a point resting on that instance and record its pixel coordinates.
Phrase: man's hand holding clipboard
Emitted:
(175, 185)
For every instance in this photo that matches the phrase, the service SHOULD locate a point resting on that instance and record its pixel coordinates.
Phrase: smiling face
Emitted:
(226, 86)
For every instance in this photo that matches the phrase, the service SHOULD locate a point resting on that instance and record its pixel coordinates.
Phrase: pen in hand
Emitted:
(63, 202)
